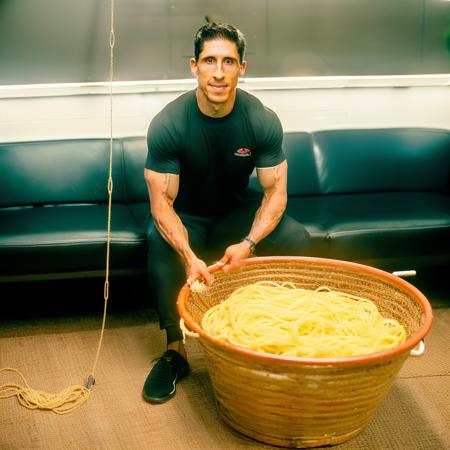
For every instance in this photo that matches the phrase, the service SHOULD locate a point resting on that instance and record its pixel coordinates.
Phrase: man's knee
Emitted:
(294, 238)
(290, 238)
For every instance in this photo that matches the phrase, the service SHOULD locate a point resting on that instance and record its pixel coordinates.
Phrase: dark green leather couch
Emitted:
(376, 196)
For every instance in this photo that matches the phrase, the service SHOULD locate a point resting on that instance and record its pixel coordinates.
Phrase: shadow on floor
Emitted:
(44, 299)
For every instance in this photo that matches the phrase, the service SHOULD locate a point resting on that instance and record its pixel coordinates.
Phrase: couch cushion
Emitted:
(54, 172)
(68, 238)
(375, 227)
(141, 214)
(380, 160)
(401, 225)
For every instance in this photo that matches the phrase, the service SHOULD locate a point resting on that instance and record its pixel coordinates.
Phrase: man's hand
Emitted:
(195, 269)
(235, 253)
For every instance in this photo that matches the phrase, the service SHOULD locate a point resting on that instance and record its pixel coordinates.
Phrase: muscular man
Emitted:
(202, 148)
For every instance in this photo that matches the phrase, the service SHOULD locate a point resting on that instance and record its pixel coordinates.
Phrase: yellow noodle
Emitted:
(281, 319)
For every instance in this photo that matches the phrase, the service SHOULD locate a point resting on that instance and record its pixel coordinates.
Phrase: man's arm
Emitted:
(274, 182)
(163, 189)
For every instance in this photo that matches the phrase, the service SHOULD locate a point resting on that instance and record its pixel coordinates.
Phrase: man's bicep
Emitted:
(273, 178)
(161, 186)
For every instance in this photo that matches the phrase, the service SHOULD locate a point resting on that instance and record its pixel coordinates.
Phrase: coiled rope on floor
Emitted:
(72, 397)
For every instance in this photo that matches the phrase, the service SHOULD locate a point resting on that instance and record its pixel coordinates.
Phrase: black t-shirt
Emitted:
(213, 157)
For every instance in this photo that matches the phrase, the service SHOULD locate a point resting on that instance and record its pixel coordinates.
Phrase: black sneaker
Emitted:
(161, 382)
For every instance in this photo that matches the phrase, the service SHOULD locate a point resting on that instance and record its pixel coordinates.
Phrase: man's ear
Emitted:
(193, 65)
(243, 68)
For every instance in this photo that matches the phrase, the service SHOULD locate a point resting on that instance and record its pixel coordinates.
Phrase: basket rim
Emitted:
(409, 344)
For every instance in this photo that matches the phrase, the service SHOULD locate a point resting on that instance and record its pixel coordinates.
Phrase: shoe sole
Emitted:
(158, 400)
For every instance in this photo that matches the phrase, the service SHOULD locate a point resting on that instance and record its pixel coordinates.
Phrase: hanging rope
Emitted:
(110, 189)
(73, 397)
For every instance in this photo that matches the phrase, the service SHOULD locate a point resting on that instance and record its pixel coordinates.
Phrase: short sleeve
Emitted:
(270, 139)
(162, 147)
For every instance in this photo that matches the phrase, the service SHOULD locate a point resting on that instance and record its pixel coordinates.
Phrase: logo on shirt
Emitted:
(243, 152)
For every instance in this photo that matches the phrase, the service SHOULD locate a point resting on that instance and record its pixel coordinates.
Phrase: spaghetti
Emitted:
(282, 319)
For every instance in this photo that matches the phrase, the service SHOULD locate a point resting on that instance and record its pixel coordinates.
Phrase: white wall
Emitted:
(75, 111)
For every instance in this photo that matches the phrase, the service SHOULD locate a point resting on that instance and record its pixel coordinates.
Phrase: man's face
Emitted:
(217, 71)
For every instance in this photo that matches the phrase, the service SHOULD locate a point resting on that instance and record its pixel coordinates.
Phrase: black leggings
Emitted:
(208, 238)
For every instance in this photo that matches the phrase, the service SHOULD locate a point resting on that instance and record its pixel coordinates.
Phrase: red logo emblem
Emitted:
(243, 152)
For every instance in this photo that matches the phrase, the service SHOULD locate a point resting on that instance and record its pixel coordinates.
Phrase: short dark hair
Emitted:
(213, 30)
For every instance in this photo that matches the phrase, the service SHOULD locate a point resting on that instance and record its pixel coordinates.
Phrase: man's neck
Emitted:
(214, 110)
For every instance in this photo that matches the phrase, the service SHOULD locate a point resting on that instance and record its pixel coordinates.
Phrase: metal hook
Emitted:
(90, 381)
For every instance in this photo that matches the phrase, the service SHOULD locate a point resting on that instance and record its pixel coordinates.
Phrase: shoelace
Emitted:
(162, 371)
(166, 358)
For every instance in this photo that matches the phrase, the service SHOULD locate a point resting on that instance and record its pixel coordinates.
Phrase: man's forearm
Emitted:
(173, 231)
(267, 216)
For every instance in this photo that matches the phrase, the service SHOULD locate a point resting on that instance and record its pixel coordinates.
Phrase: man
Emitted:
(202, 148)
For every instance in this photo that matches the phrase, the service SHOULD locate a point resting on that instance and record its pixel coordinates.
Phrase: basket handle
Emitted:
(187, 332)
(404, 273)
(419, 350)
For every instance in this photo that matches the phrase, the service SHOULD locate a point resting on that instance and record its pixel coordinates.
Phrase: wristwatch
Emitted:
(250, 243)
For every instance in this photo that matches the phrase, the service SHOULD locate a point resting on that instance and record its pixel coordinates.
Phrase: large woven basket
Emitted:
(305, 402)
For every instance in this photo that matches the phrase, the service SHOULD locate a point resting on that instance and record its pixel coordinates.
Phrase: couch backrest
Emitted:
(322, 162)
(302, 166)
(135, 153)
(302, 170)
(54, 172)
(376, 160)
